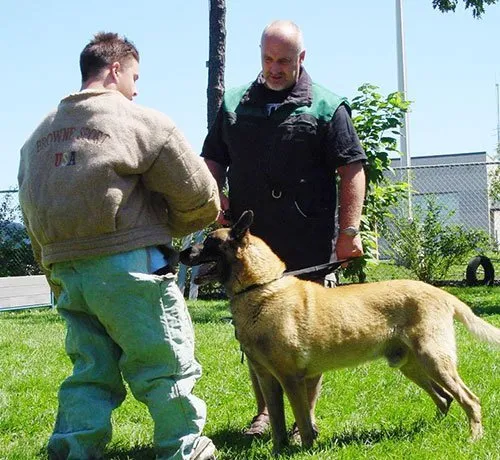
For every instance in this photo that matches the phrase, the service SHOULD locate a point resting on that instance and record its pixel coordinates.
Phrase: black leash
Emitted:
(334, 264)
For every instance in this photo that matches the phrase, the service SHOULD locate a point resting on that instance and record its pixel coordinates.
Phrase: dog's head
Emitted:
(233, 256)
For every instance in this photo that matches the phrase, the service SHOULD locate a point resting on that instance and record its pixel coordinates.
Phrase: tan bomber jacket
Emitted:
(102, 175)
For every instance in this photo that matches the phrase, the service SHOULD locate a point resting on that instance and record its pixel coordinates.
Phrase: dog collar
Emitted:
(255, 286)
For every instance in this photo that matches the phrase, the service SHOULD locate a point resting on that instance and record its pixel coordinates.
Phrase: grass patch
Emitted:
(369, 412)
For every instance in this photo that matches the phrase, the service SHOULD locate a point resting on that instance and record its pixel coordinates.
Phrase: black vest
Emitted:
(278, 169)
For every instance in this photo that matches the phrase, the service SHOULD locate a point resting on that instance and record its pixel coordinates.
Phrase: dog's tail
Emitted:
(481, 329)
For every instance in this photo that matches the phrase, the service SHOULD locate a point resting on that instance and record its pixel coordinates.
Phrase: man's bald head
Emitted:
(282, 54)
(285, 30)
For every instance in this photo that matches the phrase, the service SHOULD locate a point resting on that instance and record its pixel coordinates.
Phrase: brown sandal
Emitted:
(258, 426)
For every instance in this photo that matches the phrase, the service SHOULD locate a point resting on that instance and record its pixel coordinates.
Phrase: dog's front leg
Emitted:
(313, 385)
(296, 390)
(273, 395)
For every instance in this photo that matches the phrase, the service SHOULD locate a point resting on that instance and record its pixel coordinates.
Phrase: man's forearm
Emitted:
(218, 171)
(352, 194)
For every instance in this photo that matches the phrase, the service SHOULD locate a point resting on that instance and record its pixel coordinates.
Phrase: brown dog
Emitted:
(293, 330)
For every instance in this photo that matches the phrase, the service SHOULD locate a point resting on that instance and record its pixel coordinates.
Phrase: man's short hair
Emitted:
(104, 49)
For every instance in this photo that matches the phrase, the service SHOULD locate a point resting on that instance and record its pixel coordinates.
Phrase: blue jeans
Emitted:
(123, 323)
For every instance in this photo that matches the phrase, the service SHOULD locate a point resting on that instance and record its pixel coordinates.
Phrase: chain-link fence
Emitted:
(460, 191)
(447, 216)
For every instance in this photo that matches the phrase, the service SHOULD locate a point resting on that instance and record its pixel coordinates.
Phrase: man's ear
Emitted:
(302, 56)
(114, 69)
(240, 228)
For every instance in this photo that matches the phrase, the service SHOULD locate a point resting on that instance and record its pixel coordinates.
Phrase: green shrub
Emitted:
(377, 120)
(15, 247)
(428, 246)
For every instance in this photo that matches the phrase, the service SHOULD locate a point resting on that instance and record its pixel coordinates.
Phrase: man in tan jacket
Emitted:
(102, 183)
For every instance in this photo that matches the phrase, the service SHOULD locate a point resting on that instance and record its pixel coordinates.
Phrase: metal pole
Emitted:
(404, 138)
(498, 122)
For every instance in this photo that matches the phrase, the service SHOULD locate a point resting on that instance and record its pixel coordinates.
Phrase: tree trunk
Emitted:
(215, 92)
(216, 58)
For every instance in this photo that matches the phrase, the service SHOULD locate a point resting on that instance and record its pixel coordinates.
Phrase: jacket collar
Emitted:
(90, 93)
(300, 95)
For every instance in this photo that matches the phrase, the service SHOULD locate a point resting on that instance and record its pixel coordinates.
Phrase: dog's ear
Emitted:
(239, 229)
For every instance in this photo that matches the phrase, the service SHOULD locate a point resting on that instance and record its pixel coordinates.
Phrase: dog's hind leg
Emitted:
(296, 390)
(441, 368)
(273, 396)
(416, 373)
(444, 395)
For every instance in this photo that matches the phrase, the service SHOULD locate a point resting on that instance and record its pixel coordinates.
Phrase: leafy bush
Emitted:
(428, 246)
(377, 120)
(15, 247)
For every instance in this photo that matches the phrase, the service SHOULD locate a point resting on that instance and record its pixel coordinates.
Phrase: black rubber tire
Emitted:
(471, 272)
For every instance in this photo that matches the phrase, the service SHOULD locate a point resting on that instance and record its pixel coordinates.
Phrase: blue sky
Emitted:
(452, 61)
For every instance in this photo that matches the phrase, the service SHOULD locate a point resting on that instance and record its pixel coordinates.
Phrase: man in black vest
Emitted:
(281, 142)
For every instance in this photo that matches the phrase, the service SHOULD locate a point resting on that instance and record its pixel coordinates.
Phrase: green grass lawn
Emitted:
(369, 412)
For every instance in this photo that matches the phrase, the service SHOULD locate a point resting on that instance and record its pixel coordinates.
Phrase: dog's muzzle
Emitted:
(207, 271)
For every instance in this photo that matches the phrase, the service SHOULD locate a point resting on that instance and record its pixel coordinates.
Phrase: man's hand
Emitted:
(223, 217)
(348, 247)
